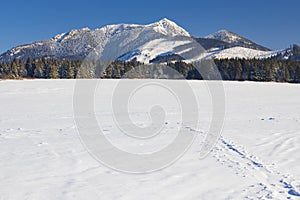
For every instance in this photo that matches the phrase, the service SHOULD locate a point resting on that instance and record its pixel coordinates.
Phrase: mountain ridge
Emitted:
(77, 43)
(141, 42)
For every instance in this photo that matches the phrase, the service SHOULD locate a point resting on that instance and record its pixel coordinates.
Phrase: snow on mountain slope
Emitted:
(77, 44)
(155, 48)
(235, 40)
(167, 27)
(241, 52)
(190, 50)
(144, 54)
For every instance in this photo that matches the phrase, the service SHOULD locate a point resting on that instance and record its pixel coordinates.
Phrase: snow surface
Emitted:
(256, 157)
(240, 52)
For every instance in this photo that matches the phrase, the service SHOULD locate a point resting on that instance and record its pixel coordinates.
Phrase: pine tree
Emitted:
(239, 70)
(297, 75)
(14, 68)
(287, 76)
(53, 72)
(70, 70)
(29, 66)
(38, 71)
(22, 70)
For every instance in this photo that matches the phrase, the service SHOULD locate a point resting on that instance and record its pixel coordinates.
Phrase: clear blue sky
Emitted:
(275, 24)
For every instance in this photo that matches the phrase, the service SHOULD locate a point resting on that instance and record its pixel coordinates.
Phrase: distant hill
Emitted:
(233, 40)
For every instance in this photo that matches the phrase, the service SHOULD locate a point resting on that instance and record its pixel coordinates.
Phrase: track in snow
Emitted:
(270, 182)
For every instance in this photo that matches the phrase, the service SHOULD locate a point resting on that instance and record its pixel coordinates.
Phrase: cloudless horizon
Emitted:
(274, 24)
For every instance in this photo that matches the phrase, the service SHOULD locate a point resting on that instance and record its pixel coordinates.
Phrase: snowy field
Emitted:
(257, 156)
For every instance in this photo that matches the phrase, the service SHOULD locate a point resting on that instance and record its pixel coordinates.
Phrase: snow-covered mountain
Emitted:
(234, 39)
(145, 43)
(110, 40)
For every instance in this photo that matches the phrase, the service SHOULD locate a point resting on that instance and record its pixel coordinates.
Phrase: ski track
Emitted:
(272, 184)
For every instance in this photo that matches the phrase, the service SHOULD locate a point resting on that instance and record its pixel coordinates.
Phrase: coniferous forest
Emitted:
(278, 70)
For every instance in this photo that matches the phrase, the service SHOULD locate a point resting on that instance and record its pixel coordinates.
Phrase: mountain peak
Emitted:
(168, 27)
(224, 31)
(225, 36)
(166, 21)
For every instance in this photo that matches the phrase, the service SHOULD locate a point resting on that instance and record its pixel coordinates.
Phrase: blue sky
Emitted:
(275, 24)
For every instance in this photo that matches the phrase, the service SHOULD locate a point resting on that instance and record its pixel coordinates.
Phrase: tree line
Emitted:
(274, 69)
